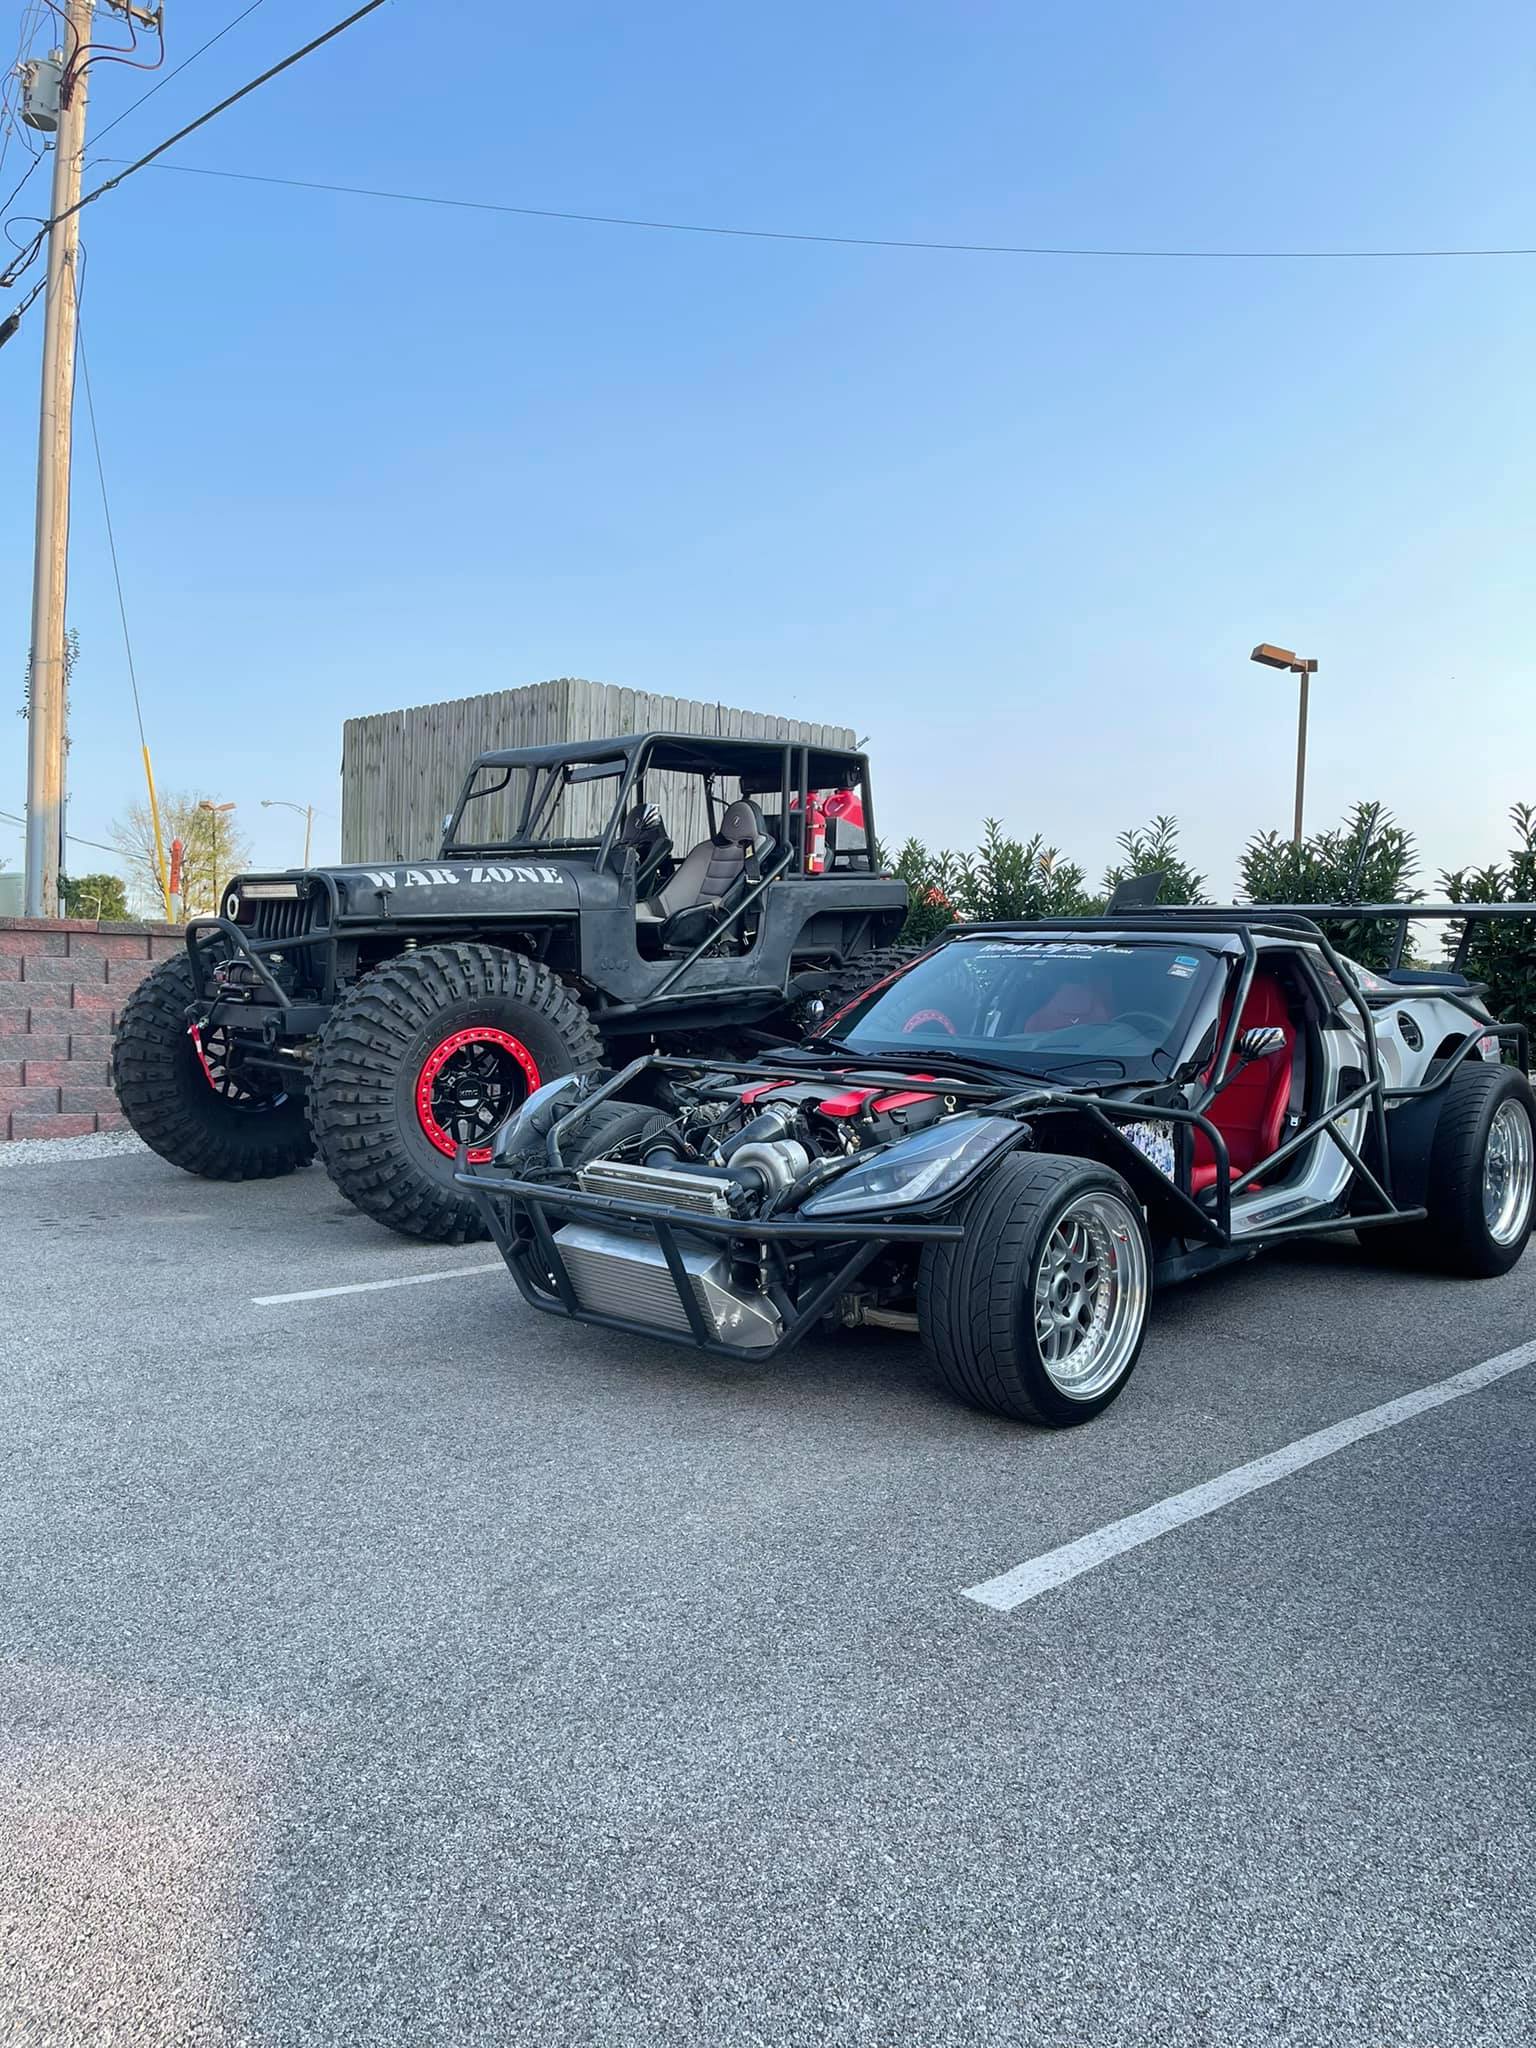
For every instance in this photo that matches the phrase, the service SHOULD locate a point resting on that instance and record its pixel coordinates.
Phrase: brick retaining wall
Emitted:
(62, 983)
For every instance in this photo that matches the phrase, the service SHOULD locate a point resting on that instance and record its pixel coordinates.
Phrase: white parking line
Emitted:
(373, 1286)
(1040, 1574)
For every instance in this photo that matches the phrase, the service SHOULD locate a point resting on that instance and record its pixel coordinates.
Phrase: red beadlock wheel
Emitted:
(469, 1085)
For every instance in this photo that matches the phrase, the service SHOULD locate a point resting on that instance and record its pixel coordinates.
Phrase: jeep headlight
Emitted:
(920, 1169)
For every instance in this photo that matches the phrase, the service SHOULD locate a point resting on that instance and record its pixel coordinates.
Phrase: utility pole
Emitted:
(50, 562)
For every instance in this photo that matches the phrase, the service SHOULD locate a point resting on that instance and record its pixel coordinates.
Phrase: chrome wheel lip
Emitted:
(1090, 1296)
(1509, 1171)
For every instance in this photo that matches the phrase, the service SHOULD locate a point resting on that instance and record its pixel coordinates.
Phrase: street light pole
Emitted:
(1301, 755)
(1270, 656)
(216, 811)
(305, 811)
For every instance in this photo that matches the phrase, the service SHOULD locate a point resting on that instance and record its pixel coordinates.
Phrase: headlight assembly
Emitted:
(534, 1116)
(920, 1169)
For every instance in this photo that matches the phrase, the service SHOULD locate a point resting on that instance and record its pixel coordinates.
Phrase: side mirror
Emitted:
(1260, 1043)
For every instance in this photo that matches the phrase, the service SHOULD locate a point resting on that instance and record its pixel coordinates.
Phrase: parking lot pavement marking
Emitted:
(374, 1286)
(1038, 1575)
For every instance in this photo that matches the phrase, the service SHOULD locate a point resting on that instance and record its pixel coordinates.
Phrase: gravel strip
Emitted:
(49, 1151)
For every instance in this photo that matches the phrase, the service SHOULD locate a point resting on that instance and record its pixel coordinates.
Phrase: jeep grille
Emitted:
(285, 918)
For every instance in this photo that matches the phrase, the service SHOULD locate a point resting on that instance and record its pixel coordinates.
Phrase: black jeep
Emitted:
(384, 1016)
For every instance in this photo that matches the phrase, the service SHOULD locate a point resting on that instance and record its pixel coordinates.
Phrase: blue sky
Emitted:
(1019, 520)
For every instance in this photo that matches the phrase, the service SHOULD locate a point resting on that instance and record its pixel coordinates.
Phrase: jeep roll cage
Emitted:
(788, 770)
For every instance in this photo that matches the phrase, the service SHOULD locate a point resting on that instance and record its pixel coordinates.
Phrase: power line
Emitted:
(12, 819)
(162, 83)
(688, 227)
(15, 190)
(106, 513)
(13, 270)
(12, 320)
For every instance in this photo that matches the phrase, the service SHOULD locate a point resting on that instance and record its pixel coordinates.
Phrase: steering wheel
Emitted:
(1145, 1018)
(930, 1017)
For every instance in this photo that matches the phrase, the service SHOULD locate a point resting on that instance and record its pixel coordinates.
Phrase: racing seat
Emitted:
(1075, 1002)
(1250, 1111)
(712, 876)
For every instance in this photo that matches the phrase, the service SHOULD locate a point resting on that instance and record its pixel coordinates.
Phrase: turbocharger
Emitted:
(762, 1153)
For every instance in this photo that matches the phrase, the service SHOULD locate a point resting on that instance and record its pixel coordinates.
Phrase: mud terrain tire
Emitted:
(170, 1100)
(846, 984)
(419, 1025)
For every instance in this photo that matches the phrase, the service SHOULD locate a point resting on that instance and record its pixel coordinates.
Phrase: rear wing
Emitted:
(1401, 915)
(1271, 920)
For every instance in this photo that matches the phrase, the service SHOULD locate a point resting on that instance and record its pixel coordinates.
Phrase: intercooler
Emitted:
(676, 1189)
(615, 1274)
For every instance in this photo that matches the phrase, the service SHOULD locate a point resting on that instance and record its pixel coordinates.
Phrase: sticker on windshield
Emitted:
(1186, 960)
(1051, 949)
(1181, 970)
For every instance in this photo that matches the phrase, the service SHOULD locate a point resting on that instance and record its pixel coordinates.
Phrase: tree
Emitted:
(1368, 858)
(100, 896)
(1154, 849)
(213, 849)
(1502, 954)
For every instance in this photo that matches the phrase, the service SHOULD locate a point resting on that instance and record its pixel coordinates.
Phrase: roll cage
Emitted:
(518, 1211)
(1248, 929)
(785, 771)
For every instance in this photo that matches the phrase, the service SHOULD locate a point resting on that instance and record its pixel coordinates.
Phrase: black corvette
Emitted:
(1010, 1143)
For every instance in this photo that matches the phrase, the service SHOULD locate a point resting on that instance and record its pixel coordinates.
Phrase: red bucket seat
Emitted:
(1250, 1111)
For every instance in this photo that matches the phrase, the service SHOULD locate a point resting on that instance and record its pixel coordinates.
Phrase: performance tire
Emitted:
(167, 1096)
(1480, 1179)
(387, 1045)
(1048, 1241)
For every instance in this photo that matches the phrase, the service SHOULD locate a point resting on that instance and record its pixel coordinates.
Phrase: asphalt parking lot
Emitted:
(399, 1666)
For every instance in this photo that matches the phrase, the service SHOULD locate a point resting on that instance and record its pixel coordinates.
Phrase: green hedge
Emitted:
(1366, 858)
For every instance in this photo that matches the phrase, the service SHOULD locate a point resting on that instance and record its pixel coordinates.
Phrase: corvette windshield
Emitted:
(1041, 1006)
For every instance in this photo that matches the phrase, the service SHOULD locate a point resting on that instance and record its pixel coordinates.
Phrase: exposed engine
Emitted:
(721, 1150)
(736, 1151)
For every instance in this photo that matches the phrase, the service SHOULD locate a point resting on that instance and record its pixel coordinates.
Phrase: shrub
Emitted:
(1502, 954)
(932, 884)
(1153, 849)
(1369, 858)
(1018, 878)
(1002, 878)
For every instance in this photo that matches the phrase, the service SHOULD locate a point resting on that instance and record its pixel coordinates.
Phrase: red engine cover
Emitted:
(845, 1101)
